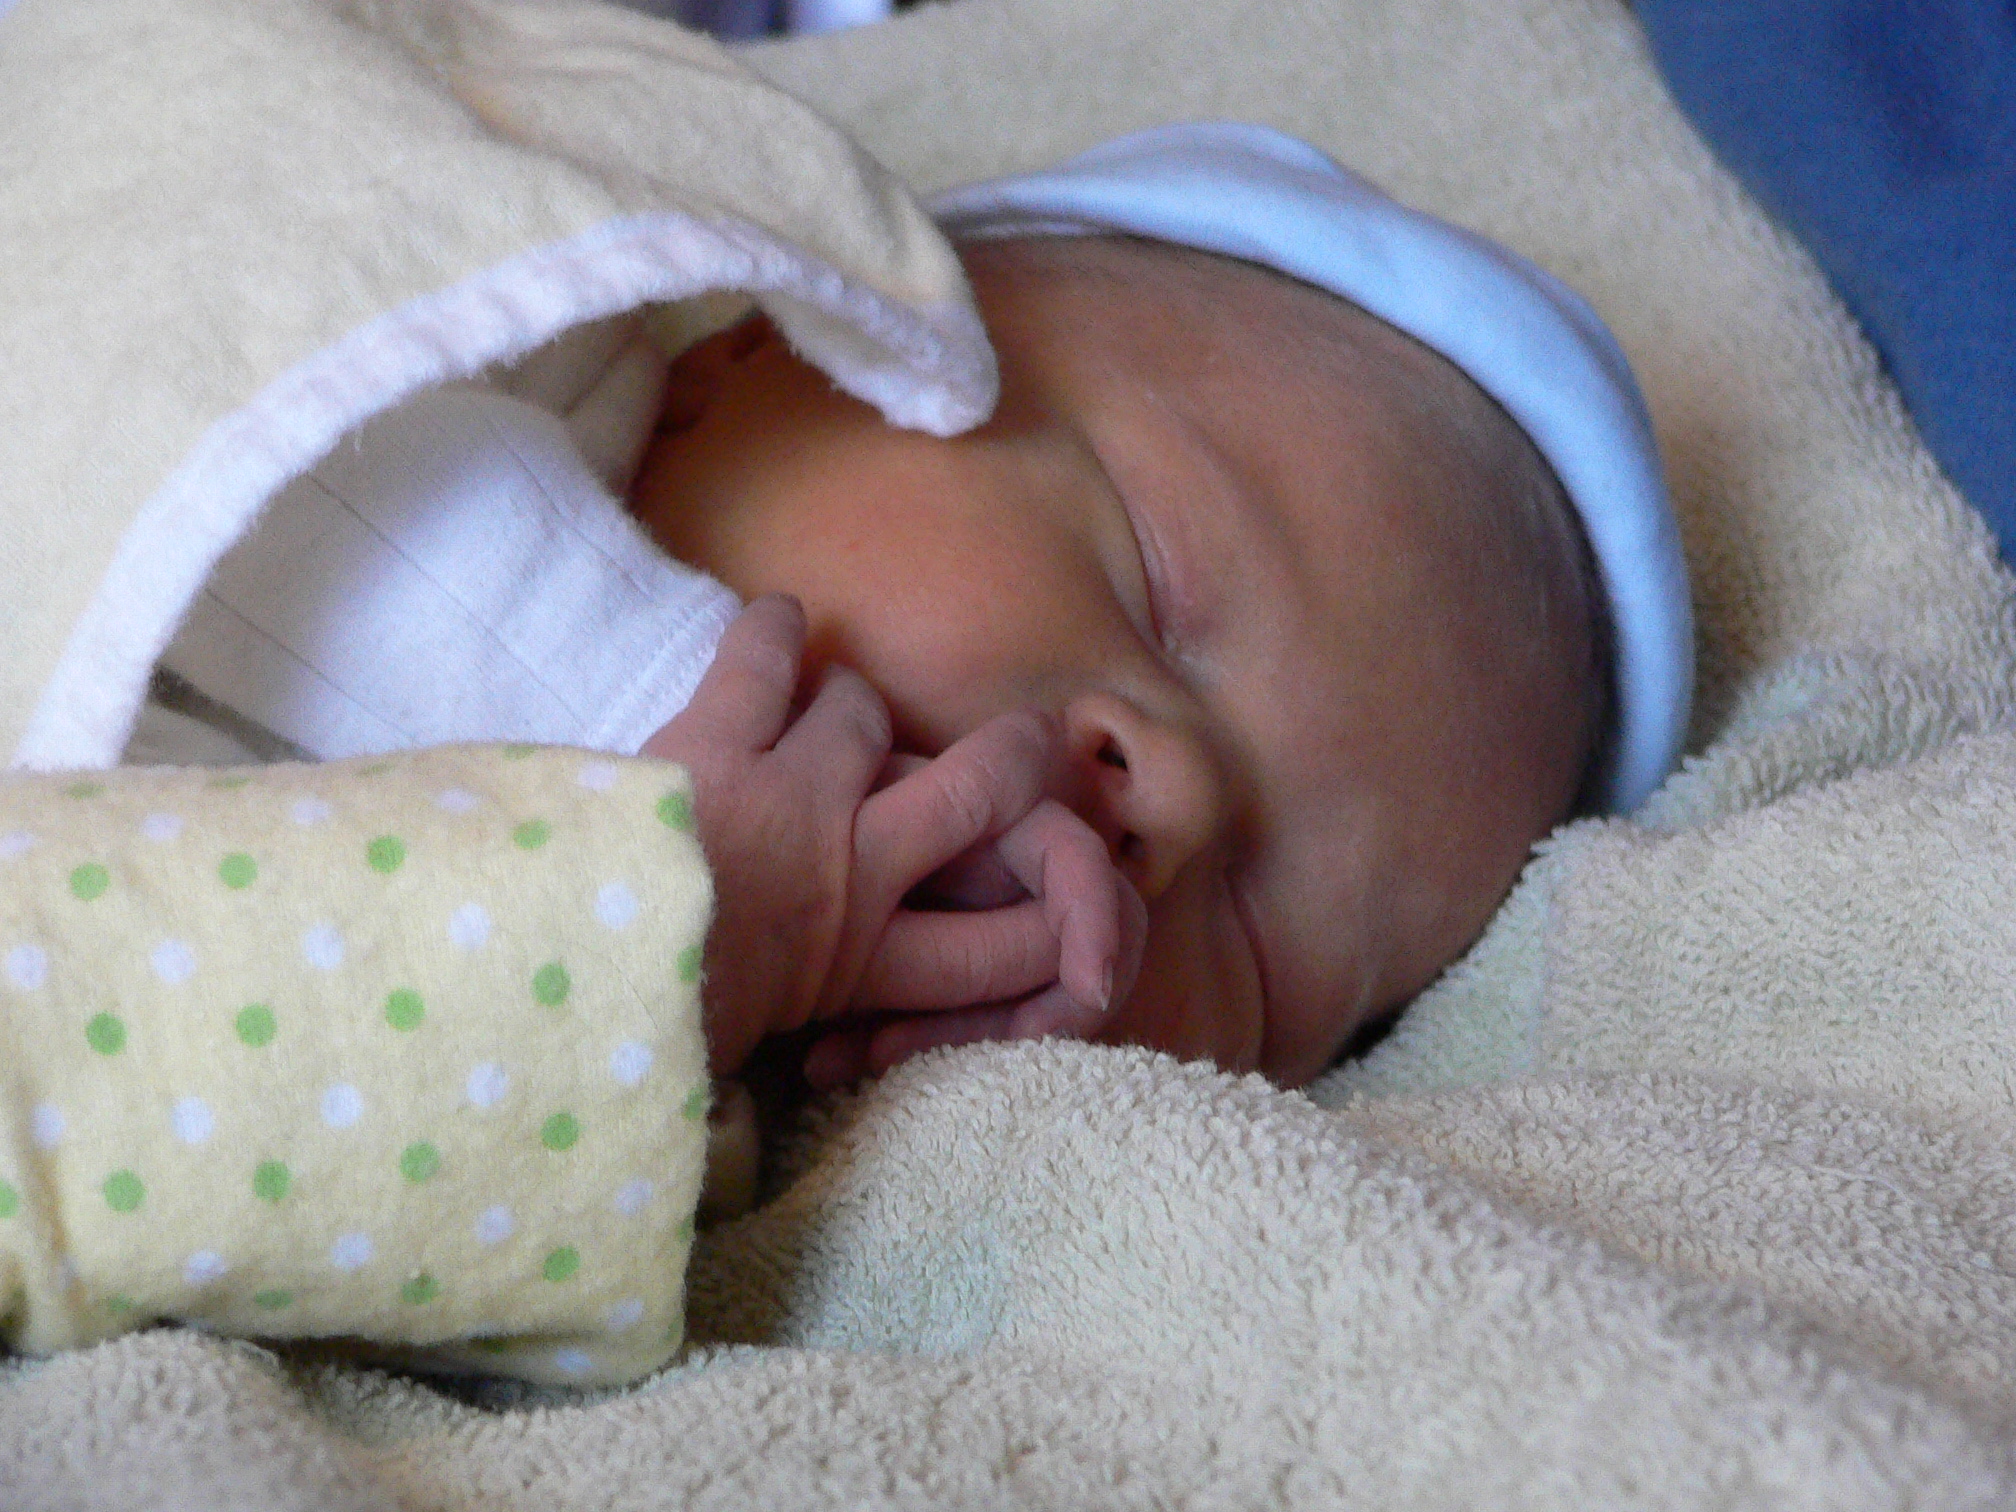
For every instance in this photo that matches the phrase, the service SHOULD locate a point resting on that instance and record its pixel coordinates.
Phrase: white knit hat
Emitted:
(1521, 335)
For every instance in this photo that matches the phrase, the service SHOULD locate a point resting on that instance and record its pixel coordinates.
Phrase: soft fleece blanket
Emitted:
(1691, 1186)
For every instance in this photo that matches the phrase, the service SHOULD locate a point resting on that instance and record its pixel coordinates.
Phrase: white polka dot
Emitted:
(495, 1224)
(487, 1085)
(457, 800)
(630, 1062)
(469, 927)
(47, 1126)
(632, 1196)
(572, 1361)
(323, 947)
(597, 776)
(615, 904)
(27, 966)
(193, 1121)
(162, 827)
(16, 843)
(351, 1252)
(173, 961)
(203, 1267)
(342, 1105)
(309, 811)
(625, 1315)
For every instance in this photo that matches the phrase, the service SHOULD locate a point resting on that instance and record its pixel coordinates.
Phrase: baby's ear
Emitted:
(696, 374)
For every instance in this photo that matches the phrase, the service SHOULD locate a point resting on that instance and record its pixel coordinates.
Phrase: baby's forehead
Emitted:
(1281, 369)
(1287, 330)
(1271, 333)
(1140, 266)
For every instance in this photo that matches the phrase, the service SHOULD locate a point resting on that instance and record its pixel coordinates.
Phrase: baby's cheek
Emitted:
(944, 675)
(1195, 999)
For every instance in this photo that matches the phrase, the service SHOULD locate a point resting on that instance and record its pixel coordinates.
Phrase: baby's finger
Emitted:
(841, 741)
(892, 1044)
(848, 1054)
(935, 961)
(906, 831)
(1099, 920)
(838, 1059)
(977, 879)
(975, 790)
(744, 700)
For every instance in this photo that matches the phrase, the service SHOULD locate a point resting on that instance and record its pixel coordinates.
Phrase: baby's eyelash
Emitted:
(1151, 573)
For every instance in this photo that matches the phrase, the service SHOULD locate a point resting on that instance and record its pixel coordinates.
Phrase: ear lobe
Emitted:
(696, 375)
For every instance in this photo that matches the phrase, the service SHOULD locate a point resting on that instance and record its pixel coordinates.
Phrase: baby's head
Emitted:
(1318, 621)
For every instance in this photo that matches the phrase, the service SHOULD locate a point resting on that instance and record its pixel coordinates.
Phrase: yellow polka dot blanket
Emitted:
(406, 1050)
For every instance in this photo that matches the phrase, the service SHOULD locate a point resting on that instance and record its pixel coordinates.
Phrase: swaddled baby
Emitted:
(1327, 540)
(1208, 697)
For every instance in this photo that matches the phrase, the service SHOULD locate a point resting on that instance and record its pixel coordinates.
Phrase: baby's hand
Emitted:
(774, 803)
(1046, 939)
(813, 856)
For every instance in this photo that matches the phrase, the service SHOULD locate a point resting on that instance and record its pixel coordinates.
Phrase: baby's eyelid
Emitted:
(1154, 575)
(1151, 575)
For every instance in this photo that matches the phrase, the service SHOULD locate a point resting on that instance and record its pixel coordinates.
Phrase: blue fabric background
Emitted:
(1883, 133)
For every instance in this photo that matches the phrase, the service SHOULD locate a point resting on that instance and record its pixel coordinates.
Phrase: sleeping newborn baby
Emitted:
(1328, 539)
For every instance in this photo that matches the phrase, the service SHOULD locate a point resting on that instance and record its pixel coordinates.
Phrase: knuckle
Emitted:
(966, 802)
(769, 661)
(861, 710)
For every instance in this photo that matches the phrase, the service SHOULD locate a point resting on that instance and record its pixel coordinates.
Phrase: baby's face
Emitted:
(1216, 527)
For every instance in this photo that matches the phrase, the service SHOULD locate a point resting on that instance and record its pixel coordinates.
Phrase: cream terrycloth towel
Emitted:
(1692, 1186)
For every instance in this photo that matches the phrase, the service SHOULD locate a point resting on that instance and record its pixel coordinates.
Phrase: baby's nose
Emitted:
(1155, 791)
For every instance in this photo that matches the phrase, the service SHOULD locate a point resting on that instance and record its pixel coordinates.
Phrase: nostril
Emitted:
(1112, 755)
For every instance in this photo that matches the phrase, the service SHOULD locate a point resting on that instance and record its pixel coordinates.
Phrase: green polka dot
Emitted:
(422, 1289)
(10, 1200)
(551, 984)
(695, 1106)
(386, 854)
(561, 1264)
(404, 1009)
(532, 834)
(518, 751)
(105, 1034)
(375, 769)
(237, 871)
(256, 1025)
(124, 1191)
(229, 783)
(419, 1161)
(689, 963)
(686, 1228)
(560, 1132)
(675, 810)
(273, 1301)
(271, 1181)
(118, 1302)
(492, 1346)
(84, 789)
(89, 881)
